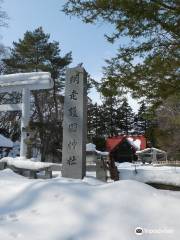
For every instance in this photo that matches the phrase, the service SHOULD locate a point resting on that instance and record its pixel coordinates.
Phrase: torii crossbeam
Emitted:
(24, 82)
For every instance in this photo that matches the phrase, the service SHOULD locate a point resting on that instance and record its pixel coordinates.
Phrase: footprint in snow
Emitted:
(3, 218)
(56, 195)
(35, 212)
(10, 217)
(13, 217)
(15, 235)
(59, 197)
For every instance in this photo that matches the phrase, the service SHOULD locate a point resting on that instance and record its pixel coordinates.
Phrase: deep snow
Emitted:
(149, 173)
(21, 162)
(67, 209)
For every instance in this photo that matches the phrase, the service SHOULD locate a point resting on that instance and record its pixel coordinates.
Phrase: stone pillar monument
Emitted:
(74, 125)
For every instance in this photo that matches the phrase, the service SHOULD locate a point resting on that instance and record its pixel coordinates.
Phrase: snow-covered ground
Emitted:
(150, 174)
(21, 162)
(67, 209)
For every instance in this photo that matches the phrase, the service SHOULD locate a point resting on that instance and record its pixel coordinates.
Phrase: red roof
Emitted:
(113, 142)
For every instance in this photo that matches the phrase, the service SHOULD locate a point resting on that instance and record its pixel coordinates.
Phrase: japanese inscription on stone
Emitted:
(74, 125)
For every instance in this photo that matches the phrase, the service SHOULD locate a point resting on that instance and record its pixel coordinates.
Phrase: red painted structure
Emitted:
(123, 148)
(113, 142)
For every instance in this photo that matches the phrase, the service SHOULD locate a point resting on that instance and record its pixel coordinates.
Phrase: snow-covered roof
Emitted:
(135, 143)
(90, 147)
(5, 142)
(138, 142)
(150, 150)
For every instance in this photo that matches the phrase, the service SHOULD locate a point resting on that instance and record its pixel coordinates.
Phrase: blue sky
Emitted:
(87, 42)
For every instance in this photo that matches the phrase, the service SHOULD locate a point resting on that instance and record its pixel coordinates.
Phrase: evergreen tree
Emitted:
(92, 120)
(109, 115)
(96, 125)
(168, 127)
(141, 122)
(125, 118)
(145, 124)
(36, 53)
(148, 63)
(3, 53)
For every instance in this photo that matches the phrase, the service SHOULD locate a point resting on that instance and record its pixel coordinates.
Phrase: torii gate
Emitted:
(24, 82)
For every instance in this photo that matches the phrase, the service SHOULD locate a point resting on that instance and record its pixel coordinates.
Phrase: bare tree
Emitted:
(3, 16)
(3, 23)
(168, 132)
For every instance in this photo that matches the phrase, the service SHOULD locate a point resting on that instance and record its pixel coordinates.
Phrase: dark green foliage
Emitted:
(33, 53)
(36, 53)
(145, 124)
(168, 130)
(125, 118)
(114, 117)
(109, 115)
(3, 53)
(100, 143)
(141, 120)
(96, 122)
(92, 118)
(148, 64)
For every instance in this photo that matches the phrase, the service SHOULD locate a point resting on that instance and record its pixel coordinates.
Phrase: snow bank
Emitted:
(62, 209)
(150, 174)
(20, 162)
